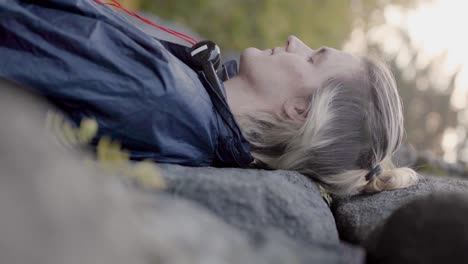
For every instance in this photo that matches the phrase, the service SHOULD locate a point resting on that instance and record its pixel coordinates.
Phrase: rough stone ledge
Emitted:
(253, 200)
(356, 217)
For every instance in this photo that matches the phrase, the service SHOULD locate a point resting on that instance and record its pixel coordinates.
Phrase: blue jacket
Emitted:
(91, 62)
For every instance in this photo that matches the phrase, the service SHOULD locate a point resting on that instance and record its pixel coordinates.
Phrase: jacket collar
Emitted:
(228, 70)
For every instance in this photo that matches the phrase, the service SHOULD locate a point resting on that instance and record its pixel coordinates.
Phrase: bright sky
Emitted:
(435, 27)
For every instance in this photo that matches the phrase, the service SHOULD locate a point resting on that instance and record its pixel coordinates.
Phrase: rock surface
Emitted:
(56, 209)
(356, 217)
(253, 200)
(430, 229)
(181, 231)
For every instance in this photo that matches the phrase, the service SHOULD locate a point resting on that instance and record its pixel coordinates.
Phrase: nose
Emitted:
(291, 42)
(292, 38)
(294, 44)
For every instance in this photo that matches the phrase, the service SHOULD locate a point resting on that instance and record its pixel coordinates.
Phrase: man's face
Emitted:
(292, 71)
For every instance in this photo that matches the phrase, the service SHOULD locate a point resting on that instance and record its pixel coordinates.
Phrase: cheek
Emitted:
(280, 78)
(296, 75)
(273, 75)
(310, 83)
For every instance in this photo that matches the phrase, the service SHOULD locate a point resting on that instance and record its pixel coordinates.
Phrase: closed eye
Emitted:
(311, 59)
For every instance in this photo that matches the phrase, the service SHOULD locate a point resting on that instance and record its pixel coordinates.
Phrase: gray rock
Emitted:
(356, 217)
(181, 231)
(55, 209)
(279, 249)
(431, 229)
(253, 200)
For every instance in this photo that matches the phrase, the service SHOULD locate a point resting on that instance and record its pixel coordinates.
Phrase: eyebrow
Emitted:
(320, 52)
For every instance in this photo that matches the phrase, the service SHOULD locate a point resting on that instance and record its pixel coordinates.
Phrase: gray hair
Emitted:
(353, 124)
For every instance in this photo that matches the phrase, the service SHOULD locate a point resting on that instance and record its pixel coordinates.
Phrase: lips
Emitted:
(277, 50)
(274, 51)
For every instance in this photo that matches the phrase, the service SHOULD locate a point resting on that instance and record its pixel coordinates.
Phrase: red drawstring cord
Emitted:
(116, 4)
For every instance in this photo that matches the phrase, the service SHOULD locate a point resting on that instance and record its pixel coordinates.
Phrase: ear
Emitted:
(296, 109)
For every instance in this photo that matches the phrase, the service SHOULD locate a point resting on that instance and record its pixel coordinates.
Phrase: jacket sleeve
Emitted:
(89, 61)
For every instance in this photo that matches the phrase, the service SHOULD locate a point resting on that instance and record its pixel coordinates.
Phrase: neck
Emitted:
(240, 98)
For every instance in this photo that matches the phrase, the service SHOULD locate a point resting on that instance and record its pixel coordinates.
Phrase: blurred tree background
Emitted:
(342, 24)
(237, 24)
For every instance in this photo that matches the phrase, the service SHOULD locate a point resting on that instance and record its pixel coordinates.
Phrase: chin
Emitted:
(247, 56)
(249, 52)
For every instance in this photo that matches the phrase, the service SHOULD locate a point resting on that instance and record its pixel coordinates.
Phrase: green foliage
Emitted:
(109, 154)
(432, 170)
(325, 195)
(238, 24)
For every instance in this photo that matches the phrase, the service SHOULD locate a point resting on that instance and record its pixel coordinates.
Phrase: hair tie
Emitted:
(375, 171)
